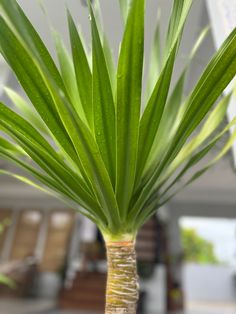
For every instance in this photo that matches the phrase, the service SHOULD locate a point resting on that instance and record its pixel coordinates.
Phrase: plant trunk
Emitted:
(122, 281)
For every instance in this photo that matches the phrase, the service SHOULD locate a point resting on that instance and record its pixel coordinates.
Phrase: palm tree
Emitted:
(84, 137)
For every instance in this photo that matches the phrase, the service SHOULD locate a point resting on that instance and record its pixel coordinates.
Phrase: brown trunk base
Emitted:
(122, 281)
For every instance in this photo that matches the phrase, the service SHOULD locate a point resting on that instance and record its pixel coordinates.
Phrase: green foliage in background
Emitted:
(197, 249)
(4, 224)
(4, 280)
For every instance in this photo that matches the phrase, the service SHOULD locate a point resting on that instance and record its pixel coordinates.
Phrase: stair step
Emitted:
(83, 295)
(67, 304)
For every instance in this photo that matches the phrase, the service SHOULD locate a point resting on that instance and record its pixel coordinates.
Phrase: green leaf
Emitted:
(124, 7)
(40, 151)
(87, 149)
(27, 111)
(68, 75)
(215, 118)
(220, 71)
(15, 149)
(103, 104)
(216, 77)
(172, 115)
(21, 26)
(89, 156)
(69, 78)
(155, 63)
(198, 43)
(92, 162)
(30, 75)
(111, 67)
(158, 199)
(48, 181)
(152, 115)
(82, 71)
(168, 125)
(89, 162)
(42, 90)
(51, 192)
(193, 159)
(178, 18)
(129, 86)
(212, 123)
(202, 171)
(96, 150)
(107, 50)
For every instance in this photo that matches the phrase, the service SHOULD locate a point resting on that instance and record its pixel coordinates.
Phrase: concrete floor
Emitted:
(12, 306)
(9, 306)
(211, 308)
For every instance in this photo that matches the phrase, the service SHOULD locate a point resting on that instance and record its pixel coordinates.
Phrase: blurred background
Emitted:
(186, 254)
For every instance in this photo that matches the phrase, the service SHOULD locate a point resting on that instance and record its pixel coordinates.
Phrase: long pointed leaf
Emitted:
(15, 149)
(211, 124)
(220, 71)
(27, 111)
(39, 150)
(178, 17)
(107, 49)
(129, 86)
(202, 171)
(152, 115)
(156, 203)
(18, 20)
(47, 191)
(111, 66)
(155, 63)
(82, 71)
(90, 205)
(103, 104)
(68, 75)
(172, 115)
(89, 156)
(77, 132)
(124, 7)
(168, 124)
(27, 70)
(193, 159)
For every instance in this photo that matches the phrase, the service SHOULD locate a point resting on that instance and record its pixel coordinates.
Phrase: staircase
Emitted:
(146, 244)
(87, 293)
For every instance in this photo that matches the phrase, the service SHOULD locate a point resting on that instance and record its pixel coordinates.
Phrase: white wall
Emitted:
(209, 283)
(156, 291)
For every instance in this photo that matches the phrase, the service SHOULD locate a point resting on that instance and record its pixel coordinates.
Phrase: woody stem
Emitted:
(122, 281)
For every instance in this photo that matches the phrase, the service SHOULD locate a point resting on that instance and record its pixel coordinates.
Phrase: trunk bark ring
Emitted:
(122, 281)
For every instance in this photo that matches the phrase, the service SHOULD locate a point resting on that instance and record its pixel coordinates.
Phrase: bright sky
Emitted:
(221, 232)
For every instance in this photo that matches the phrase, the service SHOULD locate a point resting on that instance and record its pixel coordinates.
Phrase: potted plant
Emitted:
(84, 138)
